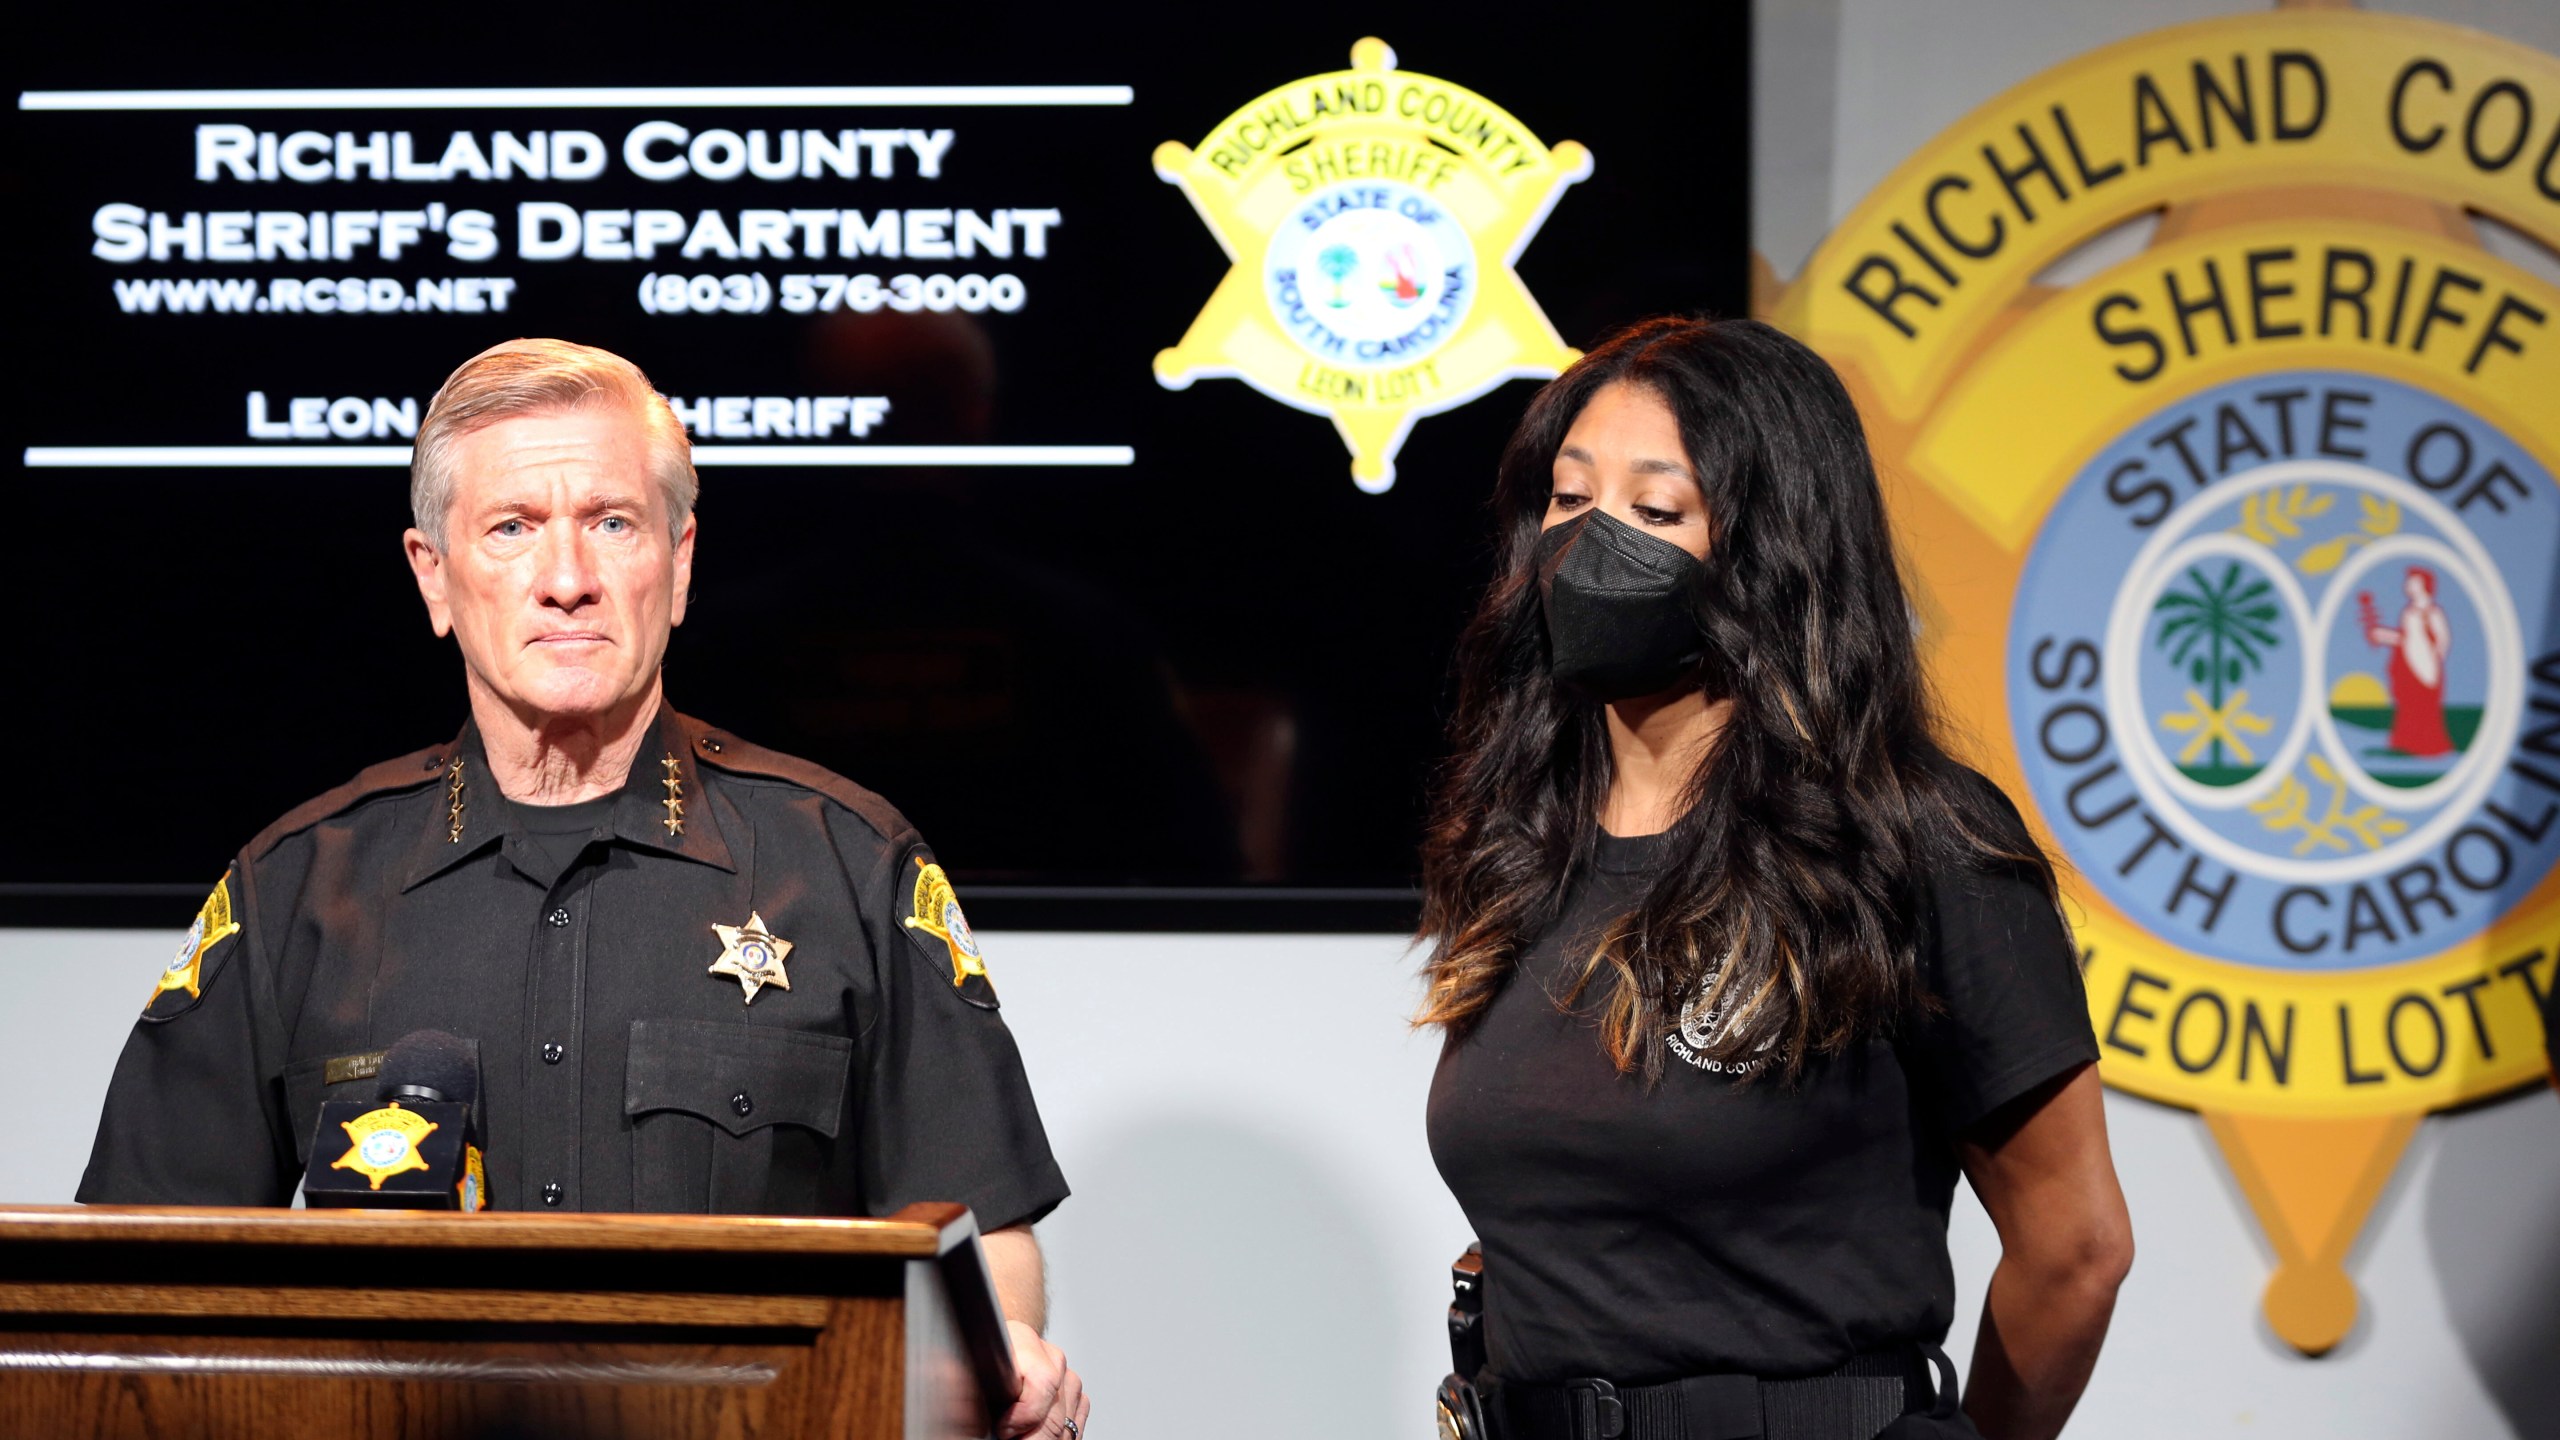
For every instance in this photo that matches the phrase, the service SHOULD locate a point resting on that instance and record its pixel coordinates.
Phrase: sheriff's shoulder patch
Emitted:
(187, 972)
(930, 912)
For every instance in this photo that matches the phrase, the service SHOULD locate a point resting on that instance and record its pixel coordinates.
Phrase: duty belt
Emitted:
(1840, 1406)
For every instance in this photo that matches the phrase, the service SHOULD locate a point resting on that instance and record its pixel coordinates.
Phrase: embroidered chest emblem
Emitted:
(1703, 1023)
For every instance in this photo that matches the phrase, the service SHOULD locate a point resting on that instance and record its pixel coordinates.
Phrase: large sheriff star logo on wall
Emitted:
(1372, 217)
(2230, 460)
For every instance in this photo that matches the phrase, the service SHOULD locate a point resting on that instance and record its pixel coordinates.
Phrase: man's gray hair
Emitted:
(532, 377)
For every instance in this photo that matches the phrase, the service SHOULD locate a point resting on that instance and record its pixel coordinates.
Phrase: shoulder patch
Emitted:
(192, 968)
(930, 913)
(418, 767)
(721, 750)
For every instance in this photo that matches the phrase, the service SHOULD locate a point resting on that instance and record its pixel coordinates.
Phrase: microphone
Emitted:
(429, 1065)
(416, 1145)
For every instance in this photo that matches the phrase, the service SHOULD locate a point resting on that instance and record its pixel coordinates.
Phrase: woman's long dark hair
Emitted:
(1789, 894)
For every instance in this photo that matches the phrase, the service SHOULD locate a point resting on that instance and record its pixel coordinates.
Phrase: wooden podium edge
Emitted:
(919, 1232)
(950, 1303)
(969, 1284)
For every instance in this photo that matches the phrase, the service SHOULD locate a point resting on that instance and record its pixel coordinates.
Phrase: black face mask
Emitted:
(1621, 608)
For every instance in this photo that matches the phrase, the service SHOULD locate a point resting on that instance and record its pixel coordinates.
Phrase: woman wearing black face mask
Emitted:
(1738, 971)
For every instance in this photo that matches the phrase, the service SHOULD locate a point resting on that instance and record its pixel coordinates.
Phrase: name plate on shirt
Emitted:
(344, 1068)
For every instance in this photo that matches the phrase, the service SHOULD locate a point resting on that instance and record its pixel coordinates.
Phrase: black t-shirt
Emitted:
(1708, 1226)
(561, 832)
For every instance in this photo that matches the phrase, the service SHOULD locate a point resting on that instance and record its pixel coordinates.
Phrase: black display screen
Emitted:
(1109, 644)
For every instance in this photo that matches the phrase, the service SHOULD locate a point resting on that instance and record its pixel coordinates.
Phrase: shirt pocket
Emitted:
(729, 1120)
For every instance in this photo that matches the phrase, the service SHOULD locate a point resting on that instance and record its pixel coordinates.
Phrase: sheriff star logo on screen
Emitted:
(1372, 216)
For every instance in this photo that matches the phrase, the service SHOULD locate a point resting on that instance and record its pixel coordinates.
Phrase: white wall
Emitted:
(1259, 1246)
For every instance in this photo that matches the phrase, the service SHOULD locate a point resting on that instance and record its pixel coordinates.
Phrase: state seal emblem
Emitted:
(2226, 410)
(1372, 216)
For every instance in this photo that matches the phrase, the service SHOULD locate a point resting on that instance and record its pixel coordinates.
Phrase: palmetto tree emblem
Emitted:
(2218, 632)
(1338, 262)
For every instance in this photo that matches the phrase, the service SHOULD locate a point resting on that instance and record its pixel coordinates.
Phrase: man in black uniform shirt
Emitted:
(700, 976)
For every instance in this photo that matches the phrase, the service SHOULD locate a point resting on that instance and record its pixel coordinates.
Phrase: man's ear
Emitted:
(684, 572)
(426, 566)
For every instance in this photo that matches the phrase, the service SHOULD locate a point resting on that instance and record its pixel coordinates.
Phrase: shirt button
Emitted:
(553, 1193)
(558, 917)
(743, 1103)
(552, 1050)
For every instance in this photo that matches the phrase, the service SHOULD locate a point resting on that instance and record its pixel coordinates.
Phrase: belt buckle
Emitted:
(1594, 1410)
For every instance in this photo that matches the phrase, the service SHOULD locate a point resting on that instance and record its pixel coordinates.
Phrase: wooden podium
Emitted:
(164, 1322)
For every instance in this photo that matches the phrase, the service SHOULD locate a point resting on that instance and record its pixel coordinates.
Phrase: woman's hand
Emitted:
(2040, 1165)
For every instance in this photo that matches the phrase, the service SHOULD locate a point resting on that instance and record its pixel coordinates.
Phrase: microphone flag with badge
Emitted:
(416, 1144)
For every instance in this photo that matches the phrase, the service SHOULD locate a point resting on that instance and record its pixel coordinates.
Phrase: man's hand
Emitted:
(1052, 1403)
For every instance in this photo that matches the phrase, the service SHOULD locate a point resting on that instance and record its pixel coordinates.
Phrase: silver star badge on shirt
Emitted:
(753, 954)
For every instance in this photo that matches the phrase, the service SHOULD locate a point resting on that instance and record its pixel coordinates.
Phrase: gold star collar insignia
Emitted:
(453, 805)
(675, 799)
(1372, 217)
(753, 954)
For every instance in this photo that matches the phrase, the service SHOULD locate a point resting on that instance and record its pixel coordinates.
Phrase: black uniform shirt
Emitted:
(1712, 1227)
(618, 1071)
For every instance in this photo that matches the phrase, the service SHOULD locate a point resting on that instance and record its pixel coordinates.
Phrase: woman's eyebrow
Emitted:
(1576, 452)
(1662, 467)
